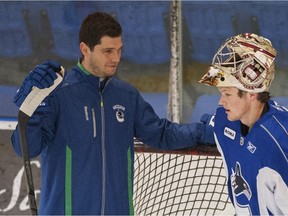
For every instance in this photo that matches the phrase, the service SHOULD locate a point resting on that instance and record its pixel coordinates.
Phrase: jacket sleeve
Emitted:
(40, 129)
(161, 133)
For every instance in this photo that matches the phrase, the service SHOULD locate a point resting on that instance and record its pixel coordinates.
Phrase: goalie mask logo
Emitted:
(119, 113)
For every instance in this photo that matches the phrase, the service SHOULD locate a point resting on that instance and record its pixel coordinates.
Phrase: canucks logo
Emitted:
(241, 191)
(119, 113)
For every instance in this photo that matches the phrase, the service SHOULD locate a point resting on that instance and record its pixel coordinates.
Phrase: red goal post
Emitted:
(181, 182)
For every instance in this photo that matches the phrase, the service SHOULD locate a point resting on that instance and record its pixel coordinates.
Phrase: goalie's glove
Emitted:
(207, 129)
(42, 76)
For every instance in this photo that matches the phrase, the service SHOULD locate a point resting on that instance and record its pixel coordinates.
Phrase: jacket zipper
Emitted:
(103, 148)
(103, 158)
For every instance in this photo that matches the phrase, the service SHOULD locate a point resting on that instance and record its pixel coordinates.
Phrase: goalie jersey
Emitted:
(256, 163)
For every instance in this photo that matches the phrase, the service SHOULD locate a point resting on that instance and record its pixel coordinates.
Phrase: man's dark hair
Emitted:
(263, 97)
(97, 25)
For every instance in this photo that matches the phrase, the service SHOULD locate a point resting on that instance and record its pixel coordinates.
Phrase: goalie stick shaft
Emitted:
(26, 110)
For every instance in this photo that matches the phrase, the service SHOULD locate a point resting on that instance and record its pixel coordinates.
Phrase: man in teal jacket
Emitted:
(84, 130)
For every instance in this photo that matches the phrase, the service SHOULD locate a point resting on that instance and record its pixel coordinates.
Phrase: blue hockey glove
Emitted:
(42, 76)
(207, 129)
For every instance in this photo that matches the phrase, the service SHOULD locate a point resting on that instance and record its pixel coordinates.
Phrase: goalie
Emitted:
(251, 131)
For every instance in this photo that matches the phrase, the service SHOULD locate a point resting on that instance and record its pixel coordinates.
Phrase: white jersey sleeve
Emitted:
(272, 192)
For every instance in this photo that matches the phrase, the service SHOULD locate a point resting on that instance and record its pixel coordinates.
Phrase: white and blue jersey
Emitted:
(257, 162)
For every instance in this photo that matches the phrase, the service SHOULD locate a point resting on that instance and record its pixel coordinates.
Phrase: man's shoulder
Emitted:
(278, 108)
(73, 76)
(276, 119)
(122, 85)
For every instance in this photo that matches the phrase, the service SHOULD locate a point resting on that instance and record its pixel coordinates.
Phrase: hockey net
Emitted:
(184, 182)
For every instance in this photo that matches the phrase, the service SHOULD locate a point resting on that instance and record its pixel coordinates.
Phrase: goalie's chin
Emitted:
(232, 118)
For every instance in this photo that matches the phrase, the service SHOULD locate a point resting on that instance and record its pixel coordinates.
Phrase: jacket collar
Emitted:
(93, 80)
(82, 68)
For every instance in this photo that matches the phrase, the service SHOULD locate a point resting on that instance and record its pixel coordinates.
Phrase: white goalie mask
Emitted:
(245, 61)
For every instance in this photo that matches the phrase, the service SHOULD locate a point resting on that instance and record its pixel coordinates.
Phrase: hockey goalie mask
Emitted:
(245, 61)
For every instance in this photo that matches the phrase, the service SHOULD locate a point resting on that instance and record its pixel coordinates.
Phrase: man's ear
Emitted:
(84, 49)
(253, 96)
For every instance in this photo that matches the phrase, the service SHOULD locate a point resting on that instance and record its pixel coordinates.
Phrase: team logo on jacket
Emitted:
(119, 112)
(229, 133)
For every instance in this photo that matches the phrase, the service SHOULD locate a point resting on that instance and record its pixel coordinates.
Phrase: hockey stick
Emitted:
(30, 104)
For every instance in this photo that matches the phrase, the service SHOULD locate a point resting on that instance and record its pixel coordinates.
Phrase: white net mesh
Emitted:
(181, 183)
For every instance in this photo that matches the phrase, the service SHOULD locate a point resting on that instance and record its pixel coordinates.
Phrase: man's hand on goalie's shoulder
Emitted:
(42, 76)
(207, 129)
